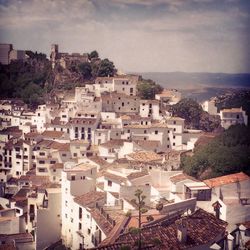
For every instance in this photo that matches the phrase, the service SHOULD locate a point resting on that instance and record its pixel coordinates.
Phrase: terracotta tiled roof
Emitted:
(153, 125)
(181, 177)
(226, 179)
(31, 135)
(52, 134)
(22, 203)
(21, 194)
(102, 222)
(57, 121)
(34, 179)
(57, 166)
(136, 175)
(246, 224)
(145, 156)
(98, 160)
(8, 246)
(60, 146)
(125, 117)
(90, 199)
(117, 143)
(80, 167)
(202, 228)
(114, 177)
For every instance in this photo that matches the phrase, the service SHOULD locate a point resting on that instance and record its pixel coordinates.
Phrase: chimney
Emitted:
(181, 231)
(230, 241)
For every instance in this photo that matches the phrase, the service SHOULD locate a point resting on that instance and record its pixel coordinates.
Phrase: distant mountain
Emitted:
(199, 86)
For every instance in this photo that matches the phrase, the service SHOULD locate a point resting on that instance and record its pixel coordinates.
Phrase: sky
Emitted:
(137, 35)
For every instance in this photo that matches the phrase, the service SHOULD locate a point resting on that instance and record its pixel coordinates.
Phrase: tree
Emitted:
(195, 117)
(32, 94)
(106, 68)
(188, 109)
(93, 55)
(225, 154)
(85, 70)
(148, 88)
(140, 203)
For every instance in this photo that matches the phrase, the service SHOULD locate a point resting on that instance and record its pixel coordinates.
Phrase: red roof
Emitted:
(226, 179)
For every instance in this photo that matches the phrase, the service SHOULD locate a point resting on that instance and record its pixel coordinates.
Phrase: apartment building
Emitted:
(77, 179)
(44, 212)
(120, 103)
(233, 116)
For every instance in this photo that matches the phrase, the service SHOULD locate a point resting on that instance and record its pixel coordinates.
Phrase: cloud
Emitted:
(138, 35)
(19, 13)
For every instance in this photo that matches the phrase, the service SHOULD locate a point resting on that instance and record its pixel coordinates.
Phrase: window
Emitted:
(109, 183)
(80, 213)
(174, 122)
(73, 177)
(89, 231)
(41, 170)
(80, 226)
(52, 162)
(145, 131)
(174, 137)
(41, 162)
(71, 220)
(75, 154)
(64, 155)
(174, 129)
(156, 132)
(174, 144)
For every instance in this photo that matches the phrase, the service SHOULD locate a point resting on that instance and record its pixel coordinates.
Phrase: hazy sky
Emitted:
(137, 35)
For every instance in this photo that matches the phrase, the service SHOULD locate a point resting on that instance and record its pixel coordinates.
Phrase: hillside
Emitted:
(33, 80)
